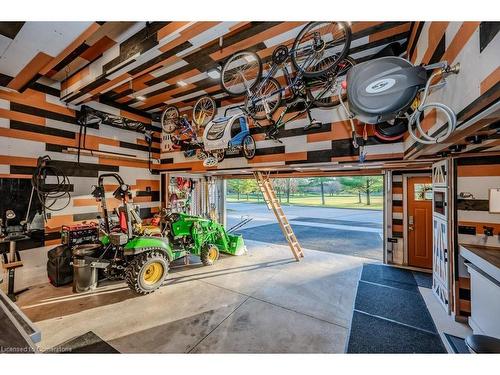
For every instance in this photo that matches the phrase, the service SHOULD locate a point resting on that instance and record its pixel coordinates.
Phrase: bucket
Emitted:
(84, 276)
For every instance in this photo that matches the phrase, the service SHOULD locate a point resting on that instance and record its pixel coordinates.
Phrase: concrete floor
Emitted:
(262, 302)
(354, 232)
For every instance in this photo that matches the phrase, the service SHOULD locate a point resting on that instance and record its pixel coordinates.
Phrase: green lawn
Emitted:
(337, 201)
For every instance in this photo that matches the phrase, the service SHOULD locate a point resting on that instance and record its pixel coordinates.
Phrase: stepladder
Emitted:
(266, 187)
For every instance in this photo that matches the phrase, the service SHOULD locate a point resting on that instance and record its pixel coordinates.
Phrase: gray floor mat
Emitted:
(401, 305)
(87, 343)
(374, 335)
(390, 276)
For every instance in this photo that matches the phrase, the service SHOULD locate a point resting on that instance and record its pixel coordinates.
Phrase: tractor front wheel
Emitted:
(209, 254)
(147, 271)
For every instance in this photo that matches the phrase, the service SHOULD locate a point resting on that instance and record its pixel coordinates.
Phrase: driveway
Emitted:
(333, 230)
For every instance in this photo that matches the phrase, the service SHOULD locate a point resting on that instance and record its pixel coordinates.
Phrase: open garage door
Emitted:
(342, 215)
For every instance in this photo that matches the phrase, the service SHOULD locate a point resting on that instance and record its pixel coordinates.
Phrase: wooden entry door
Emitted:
(419, 222)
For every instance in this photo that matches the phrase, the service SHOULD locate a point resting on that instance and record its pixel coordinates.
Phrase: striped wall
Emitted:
(475, 89)
(36, 123)
(475, 176)
(397, 228)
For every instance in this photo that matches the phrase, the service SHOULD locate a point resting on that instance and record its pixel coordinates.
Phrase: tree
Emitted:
(248, 186)
(333, 186)
(363, 185)
(319, 181)
(235, 186)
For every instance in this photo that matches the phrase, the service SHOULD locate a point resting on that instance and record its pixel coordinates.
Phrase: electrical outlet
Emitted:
(148, 189)
(48, 215)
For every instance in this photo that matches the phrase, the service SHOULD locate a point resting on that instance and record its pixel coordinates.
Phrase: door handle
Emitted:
(410, 227)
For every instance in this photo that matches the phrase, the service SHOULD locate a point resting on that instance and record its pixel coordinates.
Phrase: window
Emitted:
(236, 127)
(423, 192)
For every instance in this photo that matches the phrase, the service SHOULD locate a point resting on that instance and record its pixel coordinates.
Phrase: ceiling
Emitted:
(141, 67)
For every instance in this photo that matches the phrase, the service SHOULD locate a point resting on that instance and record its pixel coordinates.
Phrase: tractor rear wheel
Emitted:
(209, 254)
(147, 271)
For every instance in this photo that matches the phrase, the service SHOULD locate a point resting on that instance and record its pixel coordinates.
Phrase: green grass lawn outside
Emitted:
(336, 201)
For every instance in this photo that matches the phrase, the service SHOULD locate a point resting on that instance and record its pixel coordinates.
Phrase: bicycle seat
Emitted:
(483, 344)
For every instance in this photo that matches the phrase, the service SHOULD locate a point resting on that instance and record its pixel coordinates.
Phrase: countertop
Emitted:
(487, 258)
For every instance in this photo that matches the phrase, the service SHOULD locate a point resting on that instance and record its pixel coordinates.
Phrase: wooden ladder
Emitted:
(266, 187)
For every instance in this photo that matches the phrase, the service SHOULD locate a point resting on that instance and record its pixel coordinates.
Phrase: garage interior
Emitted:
(117, 142)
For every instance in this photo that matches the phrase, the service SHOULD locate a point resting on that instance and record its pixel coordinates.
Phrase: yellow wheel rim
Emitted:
(153, 273)
(212, 253)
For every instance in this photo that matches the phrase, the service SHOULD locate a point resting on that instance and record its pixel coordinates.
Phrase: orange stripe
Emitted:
(17, 160)
(73, 45)
(81, 202)
(411, 39)
(29, 71)
(389, 32)
(77, 77)
(360, 26)
(397, 190)
(478, 170)
(35, 99)
(397, 228)
(397, 209)
(459, 41)
(292, 156)
(169, 29)
(436, 32)
(492, 79)
(98, 48)
(23, 117)
(106, 85)
(246, 43)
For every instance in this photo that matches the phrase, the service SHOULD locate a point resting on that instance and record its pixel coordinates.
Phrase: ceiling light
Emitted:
(214, 73)
(182, 83)
(141, 98)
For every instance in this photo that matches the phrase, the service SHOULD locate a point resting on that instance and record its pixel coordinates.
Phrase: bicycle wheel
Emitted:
(329, 82)
(241, 72)
(317, 42)
(268, 95)
(169, 119)
(204, 111)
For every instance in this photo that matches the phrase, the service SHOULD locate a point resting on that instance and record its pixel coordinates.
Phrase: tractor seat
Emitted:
(482, 344)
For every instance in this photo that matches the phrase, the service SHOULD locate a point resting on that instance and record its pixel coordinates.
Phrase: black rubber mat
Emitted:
(390, 315)
(87, 343)
(423, 279)
(457, 344)
(390, 276)
(339, 241)
(366, 224)
(374, 335)
(407, 307)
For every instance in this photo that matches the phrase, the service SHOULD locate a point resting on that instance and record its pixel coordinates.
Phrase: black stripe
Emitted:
(487, 31)
(41, 113)
(270, 150)
(5, 79)
(45, 89)
(397, 221)
(167, 161)
(72, 56)
(415, 40)
(18, 125)
(135, 146)
(439, 51)
(10, 29)
(155, 195)
(55, 148)
(166, 76)
(180, 169)
(397, 234)
(488, 160)
(160, 58)
(140, 42)
(464, 294)
(377, 28)
(397, 184)
(473, 204)
(397, 203)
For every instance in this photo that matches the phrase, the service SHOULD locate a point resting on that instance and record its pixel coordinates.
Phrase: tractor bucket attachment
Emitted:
(235, 245)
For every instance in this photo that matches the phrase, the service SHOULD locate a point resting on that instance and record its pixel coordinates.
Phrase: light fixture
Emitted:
(141, 98)
(182, 83)
(214, 73)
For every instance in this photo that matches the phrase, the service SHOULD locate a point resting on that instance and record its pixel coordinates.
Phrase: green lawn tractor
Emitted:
(143, 260)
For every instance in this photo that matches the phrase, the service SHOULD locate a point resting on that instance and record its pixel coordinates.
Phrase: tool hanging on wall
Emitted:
(50, 193)
(390, 88)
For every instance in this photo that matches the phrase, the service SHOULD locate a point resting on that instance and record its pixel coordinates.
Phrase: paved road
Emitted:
(336, 230)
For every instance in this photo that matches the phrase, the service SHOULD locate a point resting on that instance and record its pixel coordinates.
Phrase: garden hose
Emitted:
(49, 194)
(415, 117)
